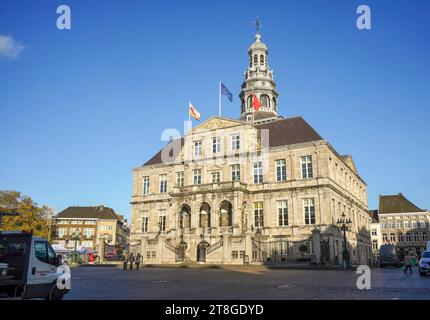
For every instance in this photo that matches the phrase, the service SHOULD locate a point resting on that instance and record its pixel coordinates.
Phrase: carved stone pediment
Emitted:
(217, 123)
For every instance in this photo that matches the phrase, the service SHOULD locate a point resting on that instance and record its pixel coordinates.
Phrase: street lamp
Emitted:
(345, 225)
(75, 237)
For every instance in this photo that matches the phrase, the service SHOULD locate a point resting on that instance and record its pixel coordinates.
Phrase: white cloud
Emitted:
(10, 48)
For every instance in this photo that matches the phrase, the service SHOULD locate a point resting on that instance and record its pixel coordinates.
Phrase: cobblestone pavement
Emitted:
(242, 283)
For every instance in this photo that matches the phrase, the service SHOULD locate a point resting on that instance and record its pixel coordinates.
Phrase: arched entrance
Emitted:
(201, 251)
(205, 215)
(184, 217)
(180, 251)
(226, 214)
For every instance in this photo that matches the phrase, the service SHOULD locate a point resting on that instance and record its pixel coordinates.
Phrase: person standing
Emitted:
(137, 261)
(131, 260)
(408, 264)
(125, 260)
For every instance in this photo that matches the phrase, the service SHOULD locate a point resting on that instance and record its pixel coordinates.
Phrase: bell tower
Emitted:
(258, 81)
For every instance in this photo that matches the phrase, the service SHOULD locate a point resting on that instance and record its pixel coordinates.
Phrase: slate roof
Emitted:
(95, 212)
(281, 133)
(396, 204)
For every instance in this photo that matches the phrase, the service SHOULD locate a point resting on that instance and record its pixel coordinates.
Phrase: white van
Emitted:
(29, 267)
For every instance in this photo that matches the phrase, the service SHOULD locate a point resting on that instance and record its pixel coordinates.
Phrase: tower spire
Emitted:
(258, 81)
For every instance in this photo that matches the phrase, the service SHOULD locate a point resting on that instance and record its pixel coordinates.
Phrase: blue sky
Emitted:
(80, 108)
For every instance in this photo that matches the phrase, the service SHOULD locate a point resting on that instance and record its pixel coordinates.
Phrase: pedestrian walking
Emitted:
(408, 263)
(125, 260)
(137, 261)
(131, 260)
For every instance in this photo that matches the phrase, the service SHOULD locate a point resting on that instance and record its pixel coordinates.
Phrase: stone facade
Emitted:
(240, 191)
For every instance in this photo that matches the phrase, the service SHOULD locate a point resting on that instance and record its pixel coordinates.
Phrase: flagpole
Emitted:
(189, 117)
(219, 99)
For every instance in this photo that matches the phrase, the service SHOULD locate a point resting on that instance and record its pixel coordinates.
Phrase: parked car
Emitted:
(424, 264)
(388, 256)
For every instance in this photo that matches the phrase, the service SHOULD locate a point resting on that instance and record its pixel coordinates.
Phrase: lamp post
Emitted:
(75, 237)
(345, 225)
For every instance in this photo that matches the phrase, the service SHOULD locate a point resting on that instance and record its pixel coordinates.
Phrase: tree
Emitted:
(31, 216)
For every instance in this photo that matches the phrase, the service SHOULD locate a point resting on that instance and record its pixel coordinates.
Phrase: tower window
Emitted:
(265, 101)
(249, 102)
(255, 59)
(262, 60)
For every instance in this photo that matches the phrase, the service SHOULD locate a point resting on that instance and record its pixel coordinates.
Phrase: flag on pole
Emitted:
(193, 112)
(255, 102)
(226, 92)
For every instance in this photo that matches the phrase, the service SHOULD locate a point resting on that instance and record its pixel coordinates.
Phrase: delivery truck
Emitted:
(29, 268)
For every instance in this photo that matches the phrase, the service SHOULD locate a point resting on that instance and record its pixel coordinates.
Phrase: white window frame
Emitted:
(258, 172)
(180, 179)
(235, 141)
(163, 183)
(308, 213)
(281, 170)
(218, 175)
(258, 214)
(235, 172)
(162, 220)
(306, 167)
(145, 185)
(198, 148)
(282, 206)
(197, 177)
(144, 221)
(216, 144)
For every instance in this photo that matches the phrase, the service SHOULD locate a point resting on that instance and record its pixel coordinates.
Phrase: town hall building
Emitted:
(259, 189)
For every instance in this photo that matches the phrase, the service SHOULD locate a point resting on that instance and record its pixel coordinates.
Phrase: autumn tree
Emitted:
(30, 215)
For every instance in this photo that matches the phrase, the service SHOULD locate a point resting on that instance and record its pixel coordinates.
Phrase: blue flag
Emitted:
(225, 92)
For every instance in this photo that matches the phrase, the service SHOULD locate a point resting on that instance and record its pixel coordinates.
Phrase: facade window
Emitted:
(392, 237)
(407, 225)
(258, 172)
(197, 176)
(309, 210)
(163, 183)
(235, 254)
(235, 142)
(162, 219)
(408, 237)
(384, 237)
(148, 254)
(416, 237)
(399, 224)
(423, 224)
(261, 59)
(424, 235)
(384, 225)
(281, 170)
(414, 224)
(145, 185)
(216, 177)
(258, 215)
(265, 101)
(144, 226)
(306, 167)
(180, 181)
(401, 238)
(197, 148)
(374, 232)
(216, 144)
(282, 213)
(375, 245)
(391, 225)
(235, 172)
(255, 59)
(62, 232)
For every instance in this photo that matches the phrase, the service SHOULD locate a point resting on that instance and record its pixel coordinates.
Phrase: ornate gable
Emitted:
(218, 123)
